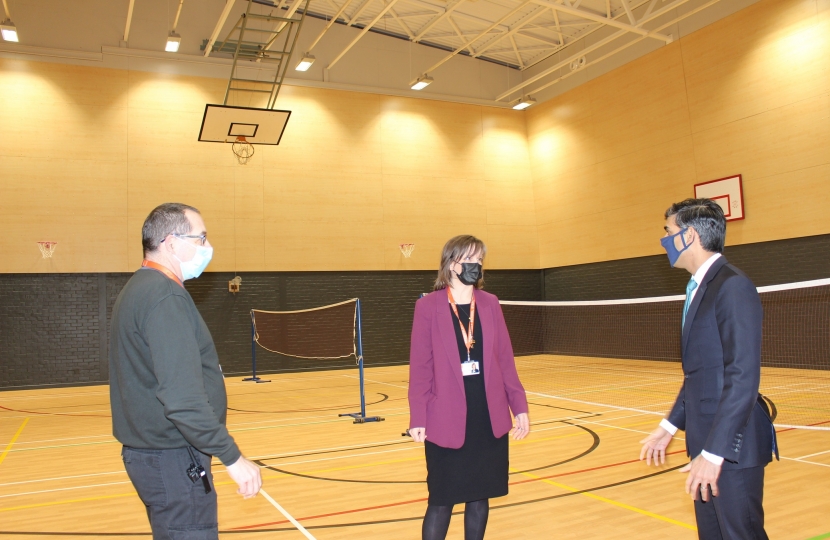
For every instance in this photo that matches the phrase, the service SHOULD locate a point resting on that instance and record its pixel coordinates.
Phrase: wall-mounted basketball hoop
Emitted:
(47, 248)
(407, 249)
(243, 150)
(235, 284)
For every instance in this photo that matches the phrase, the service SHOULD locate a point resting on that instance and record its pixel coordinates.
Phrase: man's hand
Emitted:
(703, 476)
(654, 446)
(522, 427)
(418, 434)
(247, 476)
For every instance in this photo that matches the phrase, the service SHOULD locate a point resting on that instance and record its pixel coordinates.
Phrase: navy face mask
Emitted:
(470, 273)
(668, 244)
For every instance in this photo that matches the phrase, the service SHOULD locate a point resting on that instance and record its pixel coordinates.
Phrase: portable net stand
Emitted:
(325, 333)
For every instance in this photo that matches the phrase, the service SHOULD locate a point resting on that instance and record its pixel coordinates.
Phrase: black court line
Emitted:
(594, 445)
(364, 523)
(350, 406)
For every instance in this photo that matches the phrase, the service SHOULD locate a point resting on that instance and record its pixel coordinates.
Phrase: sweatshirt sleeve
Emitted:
(177, 364)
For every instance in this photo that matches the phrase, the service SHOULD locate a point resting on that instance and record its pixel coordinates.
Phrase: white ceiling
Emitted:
(475, 49)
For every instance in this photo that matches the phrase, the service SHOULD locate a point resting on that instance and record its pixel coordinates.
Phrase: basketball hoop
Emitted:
(407, 249)
(235, 284)
(243, 150)
(47, 248)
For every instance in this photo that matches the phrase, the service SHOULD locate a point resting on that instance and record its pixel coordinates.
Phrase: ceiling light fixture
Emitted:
(421, 82)
(306, 62)
(523, 103)
(9, 31)
(173, 42)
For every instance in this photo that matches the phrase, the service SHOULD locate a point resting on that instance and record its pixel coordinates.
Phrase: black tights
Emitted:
(437, 520)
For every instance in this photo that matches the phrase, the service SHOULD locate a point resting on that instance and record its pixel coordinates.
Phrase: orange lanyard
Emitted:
(468, 333)
(164, 270)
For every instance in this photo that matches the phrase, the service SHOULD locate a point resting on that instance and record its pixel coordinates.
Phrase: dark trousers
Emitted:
(178, 508)
(737, 513)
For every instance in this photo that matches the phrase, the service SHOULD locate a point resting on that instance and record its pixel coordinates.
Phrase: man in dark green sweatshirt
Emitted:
(166, 387)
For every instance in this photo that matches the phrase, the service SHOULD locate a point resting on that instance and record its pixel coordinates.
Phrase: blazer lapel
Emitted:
(485, 314)
(446, 320)
(701, 291)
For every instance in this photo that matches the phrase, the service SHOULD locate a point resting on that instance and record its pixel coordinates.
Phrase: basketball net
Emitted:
(407, 249)
(243, 149)
(47, 248)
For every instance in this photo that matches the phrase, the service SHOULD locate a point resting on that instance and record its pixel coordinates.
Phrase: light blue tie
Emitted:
(689, 288)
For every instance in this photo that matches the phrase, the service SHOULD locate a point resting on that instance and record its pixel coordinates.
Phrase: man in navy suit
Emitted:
(729, 434)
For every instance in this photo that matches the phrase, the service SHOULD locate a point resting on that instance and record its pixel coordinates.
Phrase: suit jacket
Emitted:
(437, 400)
(719, 406)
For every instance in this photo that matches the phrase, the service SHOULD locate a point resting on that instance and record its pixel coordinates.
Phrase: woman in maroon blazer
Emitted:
(462, 387)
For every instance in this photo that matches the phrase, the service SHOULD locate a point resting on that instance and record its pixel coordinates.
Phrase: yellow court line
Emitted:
(611, 502)
(11, 443)
(70, 501)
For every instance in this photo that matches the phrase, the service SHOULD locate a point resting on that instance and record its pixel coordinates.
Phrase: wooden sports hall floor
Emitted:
(576, 476)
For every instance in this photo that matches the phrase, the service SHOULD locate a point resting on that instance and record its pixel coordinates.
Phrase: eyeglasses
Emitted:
(202, 237)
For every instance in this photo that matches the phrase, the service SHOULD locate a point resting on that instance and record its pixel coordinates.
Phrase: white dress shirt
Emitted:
(698, 277)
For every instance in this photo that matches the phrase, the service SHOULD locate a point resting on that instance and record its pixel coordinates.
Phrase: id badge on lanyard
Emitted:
(470, 367)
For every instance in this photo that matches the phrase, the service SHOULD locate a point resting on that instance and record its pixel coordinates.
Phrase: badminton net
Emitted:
(323, 333)
(626, 353)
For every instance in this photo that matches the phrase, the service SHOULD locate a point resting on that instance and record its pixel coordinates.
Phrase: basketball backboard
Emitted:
(225, 123)
(727, 192)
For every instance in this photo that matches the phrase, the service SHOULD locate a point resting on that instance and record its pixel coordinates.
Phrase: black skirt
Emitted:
(479, 469)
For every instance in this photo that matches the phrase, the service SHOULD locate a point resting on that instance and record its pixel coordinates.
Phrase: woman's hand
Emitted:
(418, 434)
(522, 427)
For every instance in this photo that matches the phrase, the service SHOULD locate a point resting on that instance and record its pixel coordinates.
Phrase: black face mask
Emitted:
(470, 273)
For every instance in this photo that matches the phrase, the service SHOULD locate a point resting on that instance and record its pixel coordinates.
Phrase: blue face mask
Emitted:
(668, 244)
(195, 266)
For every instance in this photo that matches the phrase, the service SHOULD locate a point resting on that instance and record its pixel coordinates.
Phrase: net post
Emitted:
(253, 377)
(360, 417)
(360, 360)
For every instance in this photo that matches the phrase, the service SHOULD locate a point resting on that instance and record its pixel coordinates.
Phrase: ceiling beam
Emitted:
(514, 28)
(329, 24)
(591, 16)
(482, 34)
(219, 24)
(452, 6)
(516, 50)
(363, 32)
(630, 43)
(402, 24)
(583, 52)
(290, 13)
(129, 18)
(360, 9)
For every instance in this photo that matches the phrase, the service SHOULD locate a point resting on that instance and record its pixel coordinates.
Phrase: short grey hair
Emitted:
(167, 218)
(706, 217)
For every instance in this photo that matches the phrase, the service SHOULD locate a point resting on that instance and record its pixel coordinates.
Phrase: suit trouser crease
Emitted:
(737, 513)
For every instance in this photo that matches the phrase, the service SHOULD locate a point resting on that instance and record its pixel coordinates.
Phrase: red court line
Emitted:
(401, 503)
(810, 425)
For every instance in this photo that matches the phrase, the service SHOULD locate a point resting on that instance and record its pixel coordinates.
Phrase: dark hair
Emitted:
(454, 249)
(167, 218)
(706, 217)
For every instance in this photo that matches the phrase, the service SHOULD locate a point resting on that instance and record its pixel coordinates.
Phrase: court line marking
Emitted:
(820, 537)
(61, 478)
(812, 455)
(805, 461)
(63, 489)
(612, 502)
(11, 443)
(596, 404)
(377, 382)
(288, 516)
